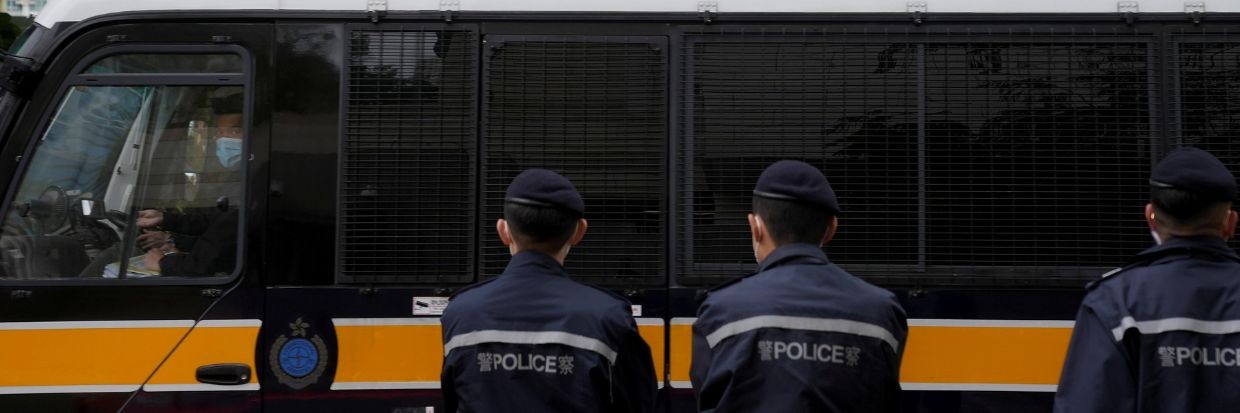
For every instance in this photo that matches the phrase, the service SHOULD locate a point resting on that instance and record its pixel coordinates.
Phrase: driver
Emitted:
(202, 241)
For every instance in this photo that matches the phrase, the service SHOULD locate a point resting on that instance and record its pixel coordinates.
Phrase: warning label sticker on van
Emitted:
(429, 305)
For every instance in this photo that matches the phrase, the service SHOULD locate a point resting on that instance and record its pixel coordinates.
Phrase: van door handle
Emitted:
(229, 374)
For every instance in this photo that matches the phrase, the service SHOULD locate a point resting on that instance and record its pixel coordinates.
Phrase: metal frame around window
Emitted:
(77, 78)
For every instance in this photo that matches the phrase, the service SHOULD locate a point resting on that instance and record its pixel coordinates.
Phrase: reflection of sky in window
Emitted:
(15, 7)
(408, 55)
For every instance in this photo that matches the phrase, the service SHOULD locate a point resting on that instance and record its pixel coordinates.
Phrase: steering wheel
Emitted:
(50, 209)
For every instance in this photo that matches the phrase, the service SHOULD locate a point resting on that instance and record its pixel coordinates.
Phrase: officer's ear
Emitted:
(1150, 217)
(501, 227)
(1230, 229)
(757, 229)
(831, 227)
(578, 233)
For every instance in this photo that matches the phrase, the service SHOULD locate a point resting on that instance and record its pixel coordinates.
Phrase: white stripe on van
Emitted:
(385, 385)
(155, 388)
(69, 325)
(109, 388)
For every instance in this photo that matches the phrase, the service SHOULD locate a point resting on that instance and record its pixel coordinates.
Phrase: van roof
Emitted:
(76, 10)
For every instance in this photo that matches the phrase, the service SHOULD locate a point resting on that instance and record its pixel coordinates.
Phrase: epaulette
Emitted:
(701, 295)
(726, 284)
(470, 287)
(1106, 276)
(1140, 260)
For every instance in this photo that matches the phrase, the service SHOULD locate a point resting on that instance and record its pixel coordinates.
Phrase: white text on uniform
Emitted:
(769, 350)
(542, 363)
(1199, 356)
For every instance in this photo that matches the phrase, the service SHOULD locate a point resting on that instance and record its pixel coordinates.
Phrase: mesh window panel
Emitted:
(1209, 96)
(592, 109)
(989, 159)
(847, 107)
(407, 201)
(1038, 154)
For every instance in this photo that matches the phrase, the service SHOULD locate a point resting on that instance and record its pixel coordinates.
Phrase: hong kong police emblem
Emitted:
(298, 358)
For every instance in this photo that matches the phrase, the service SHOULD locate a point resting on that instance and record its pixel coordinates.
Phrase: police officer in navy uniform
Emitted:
(800, 335)
(533, 340)
(1162, 334)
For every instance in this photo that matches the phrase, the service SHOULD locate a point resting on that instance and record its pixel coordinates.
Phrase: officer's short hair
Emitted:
(546, 229)
(790, 222)
(1187, 210)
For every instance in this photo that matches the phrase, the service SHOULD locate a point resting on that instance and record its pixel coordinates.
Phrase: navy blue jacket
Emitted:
(801, 335)
(1160, 335)
(532, 340)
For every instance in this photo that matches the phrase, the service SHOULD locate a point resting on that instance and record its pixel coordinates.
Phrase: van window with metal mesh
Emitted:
(409, 155)
(1208, 92)
(958, 158)
(848, 108)
(1035, 154)
(592, 109)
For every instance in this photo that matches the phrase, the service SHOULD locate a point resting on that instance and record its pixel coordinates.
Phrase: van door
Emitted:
(123, 282)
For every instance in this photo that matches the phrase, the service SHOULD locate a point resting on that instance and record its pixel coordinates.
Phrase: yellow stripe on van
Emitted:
(651, 330)
(88, 353)
(980, 352)
(969, 355)
(682, 351)
(407, 353)
(379, 353)
(211, 342)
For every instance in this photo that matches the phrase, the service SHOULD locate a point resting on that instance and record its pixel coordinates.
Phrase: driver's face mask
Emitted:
(228, 150)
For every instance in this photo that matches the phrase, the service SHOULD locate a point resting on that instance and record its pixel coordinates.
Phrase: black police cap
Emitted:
(799, 182)
(1195, 171)
(543, 188)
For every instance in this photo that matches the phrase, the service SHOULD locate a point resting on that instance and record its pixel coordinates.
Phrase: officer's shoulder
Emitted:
(1123, 272)
(1136, 264)
(720, 290)
(724, 285)
(607, 292)
(470, 287)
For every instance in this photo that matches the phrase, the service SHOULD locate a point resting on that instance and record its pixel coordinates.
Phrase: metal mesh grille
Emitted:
(1209, 96)
(594, 110)
(1037, 153)
(958, 158)
(848, 108)
(407, 189)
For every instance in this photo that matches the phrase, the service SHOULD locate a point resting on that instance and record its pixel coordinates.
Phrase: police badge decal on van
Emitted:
(298, 359)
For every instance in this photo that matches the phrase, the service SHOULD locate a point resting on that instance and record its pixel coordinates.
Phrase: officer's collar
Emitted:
(526, 262)
(790, 252)
(1209, 244)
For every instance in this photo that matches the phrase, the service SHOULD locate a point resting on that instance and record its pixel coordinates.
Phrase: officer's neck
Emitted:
(559, 256)
(1167, 234)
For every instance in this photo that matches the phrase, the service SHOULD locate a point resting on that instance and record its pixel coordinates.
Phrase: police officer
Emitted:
(801, 335)
(533, 340)
(1160, 334)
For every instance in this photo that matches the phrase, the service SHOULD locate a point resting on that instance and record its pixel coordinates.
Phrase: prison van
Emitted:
(264, 205)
